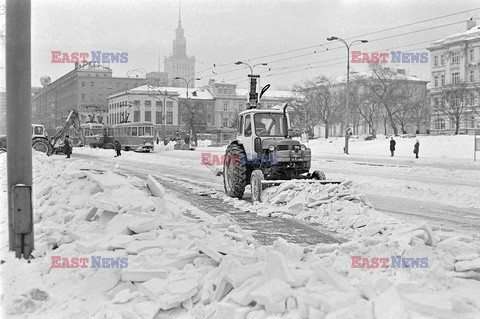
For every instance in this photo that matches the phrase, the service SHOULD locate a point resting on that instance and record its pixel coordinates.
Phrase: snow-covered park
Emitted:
(112, 242)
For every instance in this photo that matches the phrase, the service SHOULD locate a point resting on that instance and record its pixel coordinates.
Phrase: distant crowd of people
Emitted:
(416, 147)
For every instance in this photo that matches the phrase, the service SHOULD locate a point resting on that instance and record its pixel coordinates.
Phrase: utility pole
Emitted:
(19, 127)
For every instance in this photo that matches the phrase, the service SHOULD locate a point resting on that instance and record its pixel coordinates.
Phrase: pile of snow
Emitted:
(150, 260)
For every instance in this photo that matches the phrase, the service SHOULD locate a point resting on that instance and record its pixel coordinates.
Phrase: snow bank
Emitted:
(159, 262)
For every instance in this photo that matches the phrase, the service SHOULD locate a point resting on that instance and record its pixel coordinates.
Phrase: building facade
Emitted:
(455, 82)
(212, 110)
(85, 89)
(178, 64)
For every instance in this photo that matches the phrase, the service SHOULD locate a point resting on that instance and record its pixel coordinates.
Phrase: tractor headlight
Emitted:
(303, 147)
(271, 148)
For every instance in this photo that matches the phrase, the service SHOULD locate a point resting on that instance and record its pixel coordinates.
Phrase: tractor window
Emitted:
(248, 126)
(269, 124)
(240, 125)
(38, 130)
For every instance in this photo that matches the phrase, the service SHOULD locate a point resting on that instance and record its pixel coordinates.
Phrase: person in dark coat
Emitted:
(187, 139)
(118, 148)
(67, 147)
(392, 146)
(416, 148)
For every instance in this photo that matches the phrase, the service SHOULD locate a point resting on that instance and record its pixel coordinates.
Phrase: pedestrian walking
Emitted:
(416, 148)
(118, 148)
(392, 146)
(67, 147)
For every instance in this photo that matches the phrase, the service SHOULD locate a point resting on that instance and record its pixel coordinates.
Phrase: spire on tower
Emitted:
(179, 11)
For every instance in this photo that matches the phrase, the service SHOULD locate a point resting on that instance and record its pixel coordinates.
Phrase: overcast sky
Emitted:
(221, 32)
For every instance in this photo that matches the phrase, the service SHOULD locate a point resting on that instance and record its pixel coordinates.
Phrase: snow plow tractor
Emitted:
(264, 154)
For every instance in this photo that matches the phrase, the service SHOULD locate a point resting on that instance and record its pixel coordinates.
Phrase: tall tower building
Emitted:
(178, 64)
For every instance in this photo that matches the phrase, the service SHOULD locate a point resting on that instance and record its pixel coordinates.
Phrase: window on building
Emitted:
(83, 96)
(158, 104)
(136, 103)
(472, 76)
(225, 105)
(225, 122)
(92, 97)
(136, 116)
(435, 60)
(148, 103)
(435, 102)
(169, 117)
(158, 118)
(455, 77)
(169, 104)
(456, 57)
(471, 55)
(83, 84)
(442, 60)
(209, 118)
(435, 81)
(148, 116)
(456, 102)
(471, 98)
(442, 80)
(439, 124)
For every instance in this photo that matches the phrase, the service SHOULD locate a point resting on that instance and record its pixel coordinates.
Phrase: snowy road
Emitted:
(192, 186)
(401, 187)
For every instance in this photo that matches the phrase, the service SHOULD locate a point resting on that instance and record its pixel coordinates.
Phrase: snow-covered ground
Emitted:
(92, 206)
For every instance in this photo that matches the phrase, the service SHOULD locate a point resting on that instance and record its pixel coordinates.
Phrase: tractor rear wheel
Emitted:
(319, 175)
(42, 145)
(256, 184)
(234, 173)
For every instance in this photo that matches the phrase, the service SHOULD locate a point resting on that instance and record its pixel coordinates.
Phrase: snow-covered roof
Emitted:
(200, 94)
(471, 34)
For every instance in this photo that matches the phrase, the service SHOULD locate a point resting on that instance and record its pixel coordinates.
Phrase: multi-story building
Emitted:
(178, 64)
(211, 109)
(85, 89)
(455, 82)
(162, 106)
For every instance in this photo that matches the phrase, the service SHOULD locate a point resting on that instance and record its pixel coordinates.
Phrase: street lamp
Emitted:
(347, 93)
(180, 78)
(253, 96)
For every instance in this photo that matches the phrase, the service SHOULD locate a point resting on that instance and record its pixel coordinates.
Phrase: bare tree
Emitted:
(384, 85)
(304, 112)
(193, 115)
(364, 103)
(455, 102)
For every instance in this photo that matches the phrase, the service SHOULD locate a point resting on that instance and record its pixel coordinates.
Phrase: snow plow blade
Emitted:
(270, 183)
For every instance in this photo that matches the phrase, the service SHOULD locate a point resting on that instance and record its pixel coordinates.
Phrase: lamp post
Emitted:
(347, 93)
(253, 97)
(186, 81)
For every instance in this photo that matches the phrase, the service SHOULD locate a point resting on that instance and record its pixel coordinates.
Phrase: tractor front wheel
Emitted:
(234, 172)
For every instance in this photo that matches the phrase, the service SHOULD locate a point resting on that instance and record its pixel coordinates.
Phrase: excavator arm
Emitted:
(72, 120)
